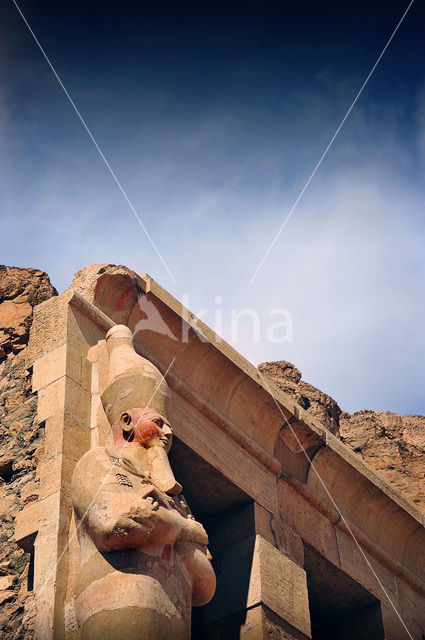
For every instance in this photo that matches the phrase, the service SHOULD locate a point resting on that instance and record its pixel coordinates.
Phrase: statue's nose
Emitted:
(166, 430)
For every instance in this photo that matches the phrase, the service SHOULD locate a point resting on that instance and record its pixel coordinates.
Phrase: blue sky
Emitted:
(213, 116)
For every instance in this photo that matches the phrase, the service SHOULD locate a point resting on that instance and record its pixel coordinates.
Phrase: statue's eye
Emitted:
(159, 422)
(126, 418)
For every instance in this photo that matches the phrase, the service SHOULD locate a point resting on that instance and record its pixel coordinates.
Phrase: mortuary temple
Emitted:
(182, 494)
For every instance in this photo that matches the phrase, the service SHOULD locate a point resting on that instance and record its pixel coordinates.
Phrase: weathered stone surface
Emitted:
(6, 468)
(288, 378)
(86, 280)
(25, 285)
(393, 445)
(20, 438)
(280, 584)
(6, 582)
(20, 291)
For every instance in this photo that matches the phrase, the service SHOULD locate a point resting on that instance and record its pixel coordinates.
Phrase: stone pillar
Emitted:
(275, 600)
(61, 377)
(262, 589)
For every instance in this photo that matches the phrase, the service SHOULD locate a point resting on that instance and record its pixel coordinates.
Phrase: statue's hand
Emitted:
(129, 527)
(151, 503)
(129, 521)
(158, 496)
(193, 531)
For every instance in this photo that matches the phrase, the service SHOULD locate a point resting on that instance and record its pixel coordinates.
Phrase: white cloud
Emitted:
(349, 266)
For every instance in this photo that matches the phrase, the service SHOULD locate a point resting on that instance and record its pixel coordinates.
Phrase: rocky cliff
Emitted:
(393, 445)
(288, 378)
(21, 439)
(20, 291)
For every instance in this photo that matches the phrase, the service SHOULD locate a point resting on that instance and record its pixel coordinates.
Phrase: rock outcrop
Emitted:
(20, 291)
(393, 445)
(288, 378)
(21, 439)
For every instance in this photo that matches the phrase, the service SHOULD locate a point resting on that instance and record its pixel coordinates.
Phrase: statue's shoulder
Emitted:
(92, 459)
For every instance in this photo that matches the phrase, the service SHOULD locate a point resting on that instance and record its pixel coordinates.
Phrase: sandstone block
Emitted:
(280, 584)
(66, 395)
(35, 515)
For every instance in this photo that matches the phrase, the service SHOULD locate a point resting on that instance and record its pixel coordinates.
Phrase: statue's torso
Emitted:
(132, 594)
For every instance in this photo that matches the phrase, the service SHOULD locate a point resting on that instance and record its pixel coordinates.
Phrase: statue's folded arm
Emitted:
(120, 517)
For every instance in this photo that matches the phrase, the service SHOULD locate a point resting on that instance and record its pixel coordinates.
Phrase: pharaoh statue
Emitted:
(144, 558)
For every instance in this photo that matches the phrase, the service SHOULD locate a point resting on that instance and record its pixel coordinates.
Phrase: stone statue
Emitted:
(144, 558)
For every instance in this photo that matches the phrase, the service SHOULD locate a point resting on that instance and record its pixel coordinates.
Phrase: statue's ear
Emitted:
(126, 422)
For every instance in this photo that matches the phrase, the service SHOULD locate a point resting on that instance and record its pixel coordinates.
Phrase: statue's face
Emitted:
(167, 436)
(148, 436)
(144, 427)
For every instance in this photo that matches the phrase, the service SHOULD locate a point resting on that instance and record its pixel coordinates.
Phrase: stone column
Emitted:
(262, 589)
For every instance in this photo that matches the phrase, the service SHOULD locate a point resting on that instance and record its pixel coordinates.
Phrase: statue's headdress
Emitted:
(133, 381)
